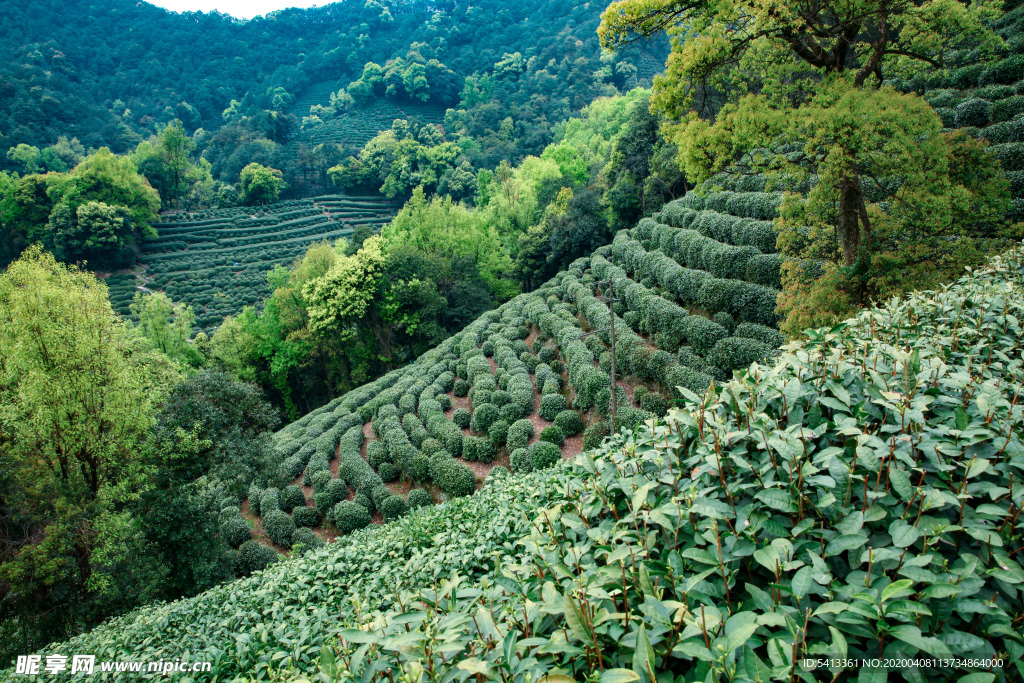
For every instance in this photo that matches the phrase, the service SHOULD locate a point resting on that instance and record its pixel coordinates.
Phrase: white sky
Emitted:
(243, 9)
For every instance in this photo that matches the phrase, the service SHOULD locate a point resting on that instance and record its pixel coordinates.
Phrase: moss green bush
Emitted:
(544, 454)
(393, 507)
(461, 417)
(419, 498)
(254, 557)
(349, 517)
(279, 527)
(552, 434)
(305, 516)
(570, 422)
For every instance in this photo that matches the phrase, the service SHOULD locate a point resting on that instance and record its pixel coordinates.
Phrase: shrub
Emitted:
(551, 405)
(484, 415)
(419, 468)
(349, 517)
(681, 376)
(546, 354)
(544, 454)
(1011, 155)
(973, 112)
(736, 353)
(376, 454)
(430, 446)
(947, 115)
(594, 435)
(279, 527)
(331, 494)
(305, 516)
(387, 471)
(445, 401)
(488, 348)
(765, 335)
(454, 478)
(393, 507)
(419, 498)
(292, 497)
(477, 448)
(519, 461)
(570, 422)
(497, 474)
(725, 320)
(519, 434)
(365, 501)
(321, 479)
(501, 398)
(653, 403)
(235, 531)
(498, 433)
(227, 513)
(1006, 109)
(461, 388)
(510, 412)
(306, 538)
(461, 417)
(702, 333)
(552, 434)
(254, 557)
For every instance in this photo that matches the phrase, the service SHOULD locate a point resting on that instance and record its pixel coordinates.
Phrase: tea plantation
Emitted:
(857, 498)
(985, 100)
(216, 261)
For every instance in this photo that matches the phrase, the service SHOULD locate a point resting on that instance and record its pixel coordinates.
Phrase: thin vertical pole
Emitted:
(611, 315)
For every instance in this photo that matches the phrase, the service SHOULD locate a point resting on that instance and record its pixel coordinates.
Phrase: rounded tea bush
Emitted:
(498, 432)
(570, 422)
(461, 388)
(419, 498)
(484, 415)
(544, 454)
(461, 417)
(321, 479)
(376, 453)
(519, 434)
(445, 401)
(551, 405)
(254, 557)
(553, 435)
(393, 507)
(363, 500)
(519, 461)
(349, 517)
(594, 435)
(235, 531)
(279, 527)
(388, 472)
(307, 538)
(305, 516)
(292, 497)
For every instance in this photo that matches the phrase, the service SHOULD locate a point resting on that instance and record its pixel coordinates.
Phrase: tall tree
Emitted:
(796, 91)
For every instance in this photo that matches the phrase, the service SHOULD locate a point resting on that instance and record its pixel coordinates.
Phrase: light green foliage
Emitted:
(167, 325)
(260, 184)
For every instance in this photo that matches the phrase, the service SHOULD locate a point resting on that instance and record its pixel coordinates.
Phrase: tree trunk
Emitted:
(851, 202)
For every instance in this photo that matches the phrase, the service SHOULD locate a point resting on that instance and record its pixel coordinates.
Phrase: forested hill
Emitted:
(111, 72)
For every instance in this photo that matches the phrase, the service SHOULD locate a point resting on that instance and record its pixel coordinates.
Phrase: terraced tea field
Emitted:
(986, 100)
(216, 261)
(357, 127)
(529, 384)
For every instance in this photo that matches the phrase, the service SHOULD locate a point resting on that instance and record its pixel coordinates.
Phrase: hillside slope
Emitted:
(916, 399)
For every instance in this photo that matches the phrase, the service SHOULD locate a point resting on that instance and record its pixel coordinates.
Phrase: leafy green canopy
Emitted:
(796, 92)
(857, 499)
